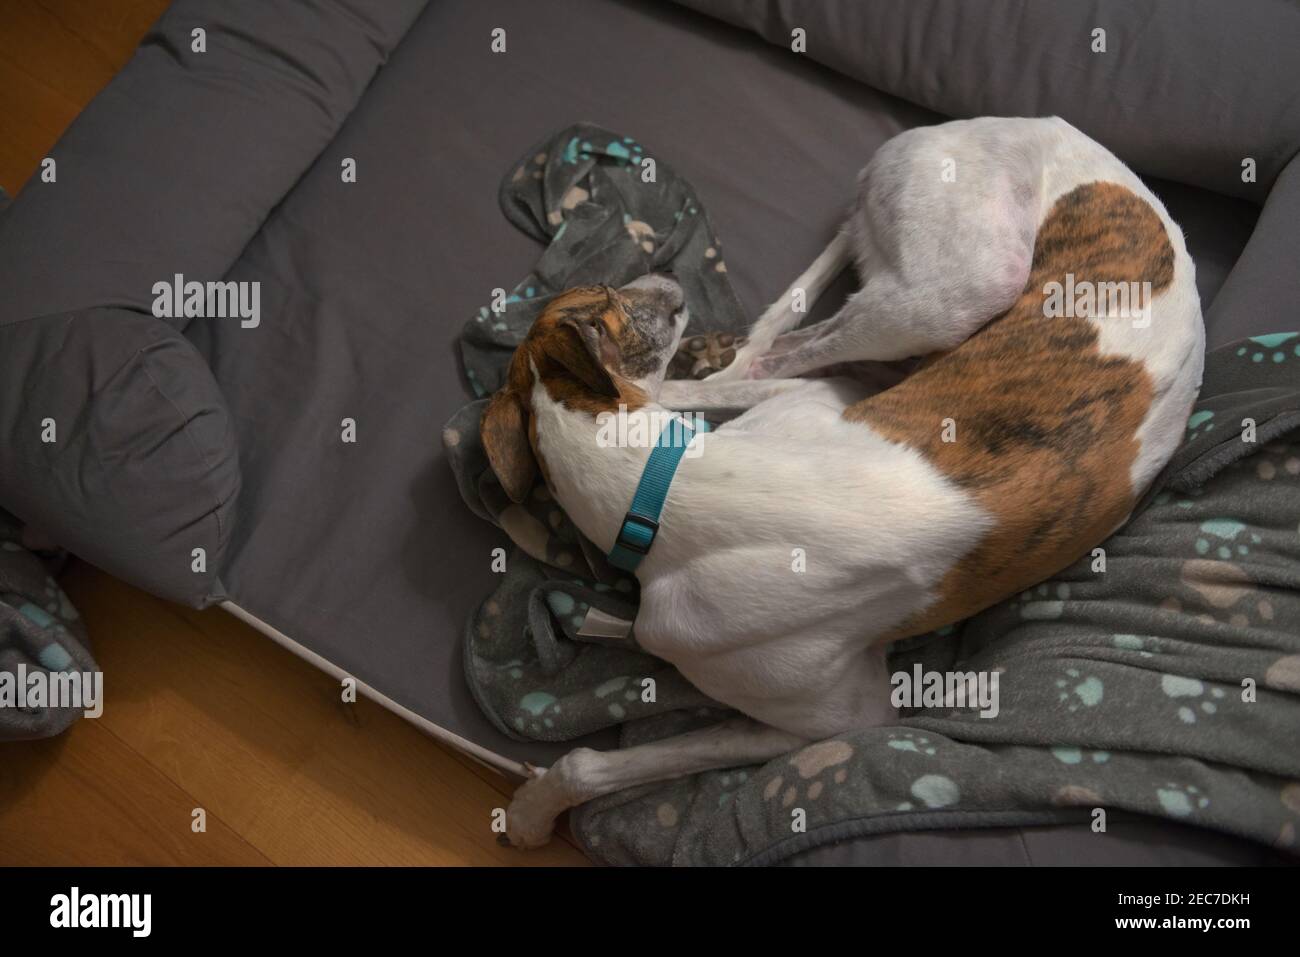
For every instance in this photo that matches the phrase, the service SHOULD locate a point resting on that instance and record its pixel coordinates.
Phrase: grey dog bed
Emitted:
(184, 434)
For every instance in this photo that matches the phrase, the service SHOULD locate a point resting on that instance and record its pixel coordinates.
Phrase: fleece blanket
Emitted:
(41, 637)
(1160, 675)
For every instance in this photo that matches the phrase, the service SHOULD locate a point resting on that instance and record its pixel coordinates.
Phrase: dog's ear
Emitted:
(586, 349)
(504, 431)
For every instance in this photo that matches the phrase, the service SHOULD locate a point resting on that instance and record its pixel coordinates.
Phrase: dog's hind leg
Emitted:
(861, 330)
(938, 256)
(788, 311)
(584, 775)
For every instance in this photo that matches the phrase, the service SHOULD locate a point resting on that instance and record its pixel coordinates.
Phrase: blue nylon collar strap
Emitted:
(641, 523)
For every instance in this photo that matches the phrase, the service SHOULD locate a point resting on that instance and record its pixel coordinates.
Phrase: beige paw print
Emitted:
(1284, 675)
(641, 233)
(574, 196)
(1076, 795)
(1277, 460)
(1226, 593)
(809, 764)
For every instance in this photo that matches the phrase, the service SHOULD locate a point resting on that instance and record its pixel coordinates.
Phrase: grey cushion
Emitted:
(1185, 90)
(172, 169)
(1262, 293)
(143, 469)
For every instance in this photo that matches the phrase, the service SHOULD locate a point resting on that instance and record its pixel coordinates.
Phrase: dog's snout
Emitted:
(661, 284)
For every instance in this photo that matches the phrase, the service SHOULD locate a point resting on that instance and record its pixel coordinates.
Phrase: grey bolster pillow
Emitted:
(116, 438)
(115, 442)
(1186, 90)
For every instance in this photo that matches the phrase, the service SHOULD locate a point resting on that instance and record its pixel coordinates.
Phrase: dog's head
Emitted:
(592, 349)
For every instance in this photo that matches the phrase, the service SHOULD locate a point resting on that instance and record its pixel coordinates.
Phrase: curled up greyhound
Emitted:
(1056, 306)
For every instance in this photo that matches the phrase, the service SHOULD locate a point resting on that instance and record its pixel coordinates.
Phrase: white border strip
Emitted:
(489, 759)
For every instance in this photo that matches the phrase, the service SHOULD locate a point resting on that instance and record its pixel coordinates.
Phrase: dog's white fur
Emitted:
(879, 525)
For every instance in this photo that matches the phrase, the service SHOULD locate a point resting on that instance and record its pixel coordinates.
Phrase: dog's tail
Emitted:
(781, 316)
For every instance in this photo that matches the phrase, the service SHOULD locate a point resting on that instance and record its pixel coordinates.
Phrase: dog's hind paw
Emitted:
(702, 355)
(530, 818)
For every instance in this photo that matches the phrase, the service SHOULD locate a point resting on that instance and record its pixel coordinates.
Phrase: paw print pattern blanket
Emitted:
(1159, 675)
(43, 646)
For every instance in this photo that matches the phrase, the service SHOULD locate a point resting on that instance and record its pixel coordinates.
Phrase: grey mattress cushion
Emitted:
(363, 550)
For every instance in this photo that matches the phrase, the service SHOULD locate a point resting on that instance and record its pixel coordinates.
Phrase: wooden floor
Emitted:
(202, 711)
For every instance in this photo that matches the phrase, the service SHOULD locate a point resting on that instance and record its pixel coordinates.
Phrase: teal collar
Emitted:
(641, 523)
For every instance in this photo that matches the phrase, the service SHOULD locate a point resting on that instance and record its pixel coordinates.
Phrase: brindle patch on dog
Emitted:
(566, 365)
(578, 346)
(1046, 426)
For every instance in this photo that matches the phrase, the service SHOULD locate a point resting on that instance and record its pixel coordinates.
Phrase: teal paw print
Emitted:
(1199, 423)
(910, 742)
(623, 153)
(1181, 800)
(932, 791)
(1077, 755)
(1136, 643)
(1270, 348)
(729, 784)
(567, 609)
(1194, 690)
(621, 686)
(1077, 690)
(537, 709)
(1226, 537)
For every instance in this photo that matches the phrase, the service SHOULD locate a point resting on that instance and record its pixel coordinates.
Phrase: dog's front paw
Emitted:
(699, 357)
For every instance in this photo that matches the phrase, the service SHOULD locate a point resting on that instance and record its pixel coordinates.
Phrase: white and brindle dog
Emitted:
(998, 249)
